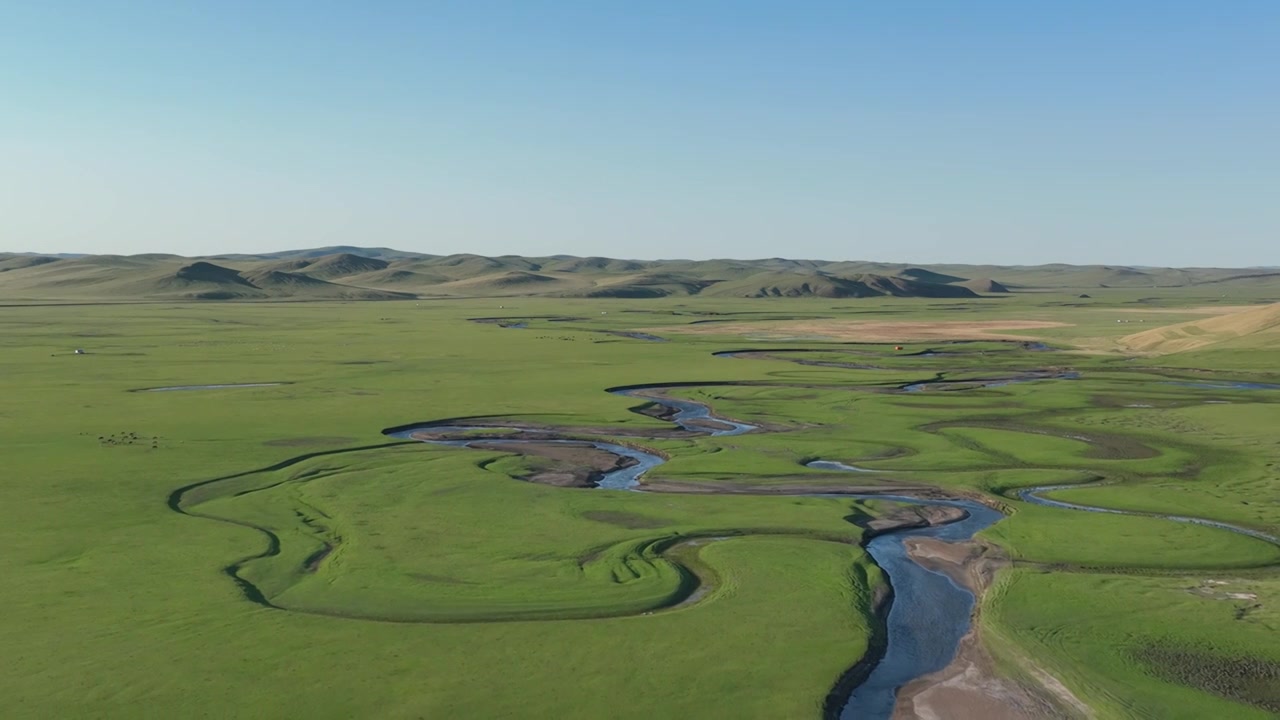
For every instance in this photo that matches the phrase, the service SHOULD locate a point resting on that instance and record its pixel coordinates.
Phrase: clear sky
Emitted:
(1018, 131)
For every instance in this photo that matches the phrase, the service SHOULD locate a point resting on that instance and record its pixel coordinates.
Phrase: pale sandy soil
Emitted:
(869, 331)
(1255, 320)
(970, 688)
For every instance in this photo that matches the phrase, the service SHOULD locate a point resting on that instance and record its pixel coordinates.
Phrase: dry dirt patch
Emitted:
(1202, 333)
(869, 331)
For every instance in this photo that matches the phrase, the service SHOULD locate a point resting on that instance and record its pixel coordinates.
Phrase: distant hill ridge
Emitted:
(984, 285)
(348, 272)
(343, 265)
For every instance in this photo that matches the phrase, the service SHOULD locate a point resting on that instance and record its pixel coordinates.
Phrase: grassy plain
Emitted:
(454, 590)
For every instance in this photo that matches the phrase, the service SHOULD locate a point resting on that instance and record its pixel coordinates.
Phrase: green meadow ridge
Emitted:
(351, 273)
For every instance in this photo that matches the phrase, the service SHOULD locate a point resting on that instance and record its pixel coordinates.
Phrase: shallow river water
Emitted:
(929, 614)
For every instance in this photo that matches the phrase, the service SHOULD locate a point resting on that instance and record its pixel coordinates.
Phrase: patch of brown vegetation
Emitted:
(1251, 680)
(871, 331)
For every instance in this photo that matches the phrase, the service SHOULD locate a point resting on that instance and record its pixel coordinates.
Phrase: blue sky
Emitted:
(1137, 132)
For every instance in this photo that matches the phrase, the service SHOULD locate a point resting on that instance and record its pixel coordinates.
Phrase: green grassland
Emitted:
(1145, 647)
(414, 580)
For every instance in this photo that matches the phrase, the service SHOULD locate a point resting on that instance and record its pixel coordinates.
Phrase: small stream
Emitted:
(689, 412)
(1224, 385)
(1035, 496)
(839, 466)
(990, 383)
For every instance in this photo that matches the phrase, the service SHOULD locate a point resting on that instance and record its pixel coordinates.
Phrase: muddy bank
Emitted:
(969, 687)
(464, 428)
(805, 486)
(563, 464)
(913, 516)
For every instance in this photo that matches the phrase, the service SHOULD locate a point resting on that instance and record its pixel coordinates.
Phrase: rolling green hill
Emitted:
(163, 278)
(816, 284)
(346, 272)
(17, 262)
(342, 265)
(924, 275)
(591, 264)
(645, 285)
(984, 285)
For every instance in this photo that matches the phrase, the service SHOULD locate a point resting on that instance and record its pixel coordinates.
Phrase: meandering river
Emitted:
(930, 612)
